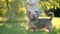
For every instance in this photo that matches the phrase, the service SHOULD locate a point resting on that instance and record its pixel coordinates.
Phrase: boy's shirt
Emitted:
(33, 6)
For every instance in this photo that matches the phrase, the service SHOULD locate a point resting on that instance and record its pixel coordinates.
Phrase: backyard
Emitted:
(20, 27)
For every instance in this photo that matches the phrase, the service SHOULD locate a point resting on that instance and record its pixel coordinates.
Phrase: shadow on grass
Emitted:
(17, 28)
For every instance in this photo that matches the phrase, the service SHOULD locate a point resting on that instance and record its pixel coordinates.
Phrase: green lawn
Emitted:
(15, 27)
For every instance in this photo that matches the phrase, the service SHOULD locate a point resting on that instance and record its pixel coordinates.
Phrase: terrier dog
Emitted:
(41, 23)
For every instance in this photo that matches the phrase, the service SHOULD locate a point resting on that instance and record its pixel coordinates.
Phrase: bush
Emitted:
(55, 11)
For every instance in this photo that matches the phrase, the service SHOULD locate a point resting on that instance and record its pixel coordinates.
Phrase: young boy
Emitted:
(33, 5)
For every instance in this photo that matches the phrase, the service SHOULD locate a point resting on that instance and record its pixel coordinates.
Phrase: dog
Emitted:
(41, 23)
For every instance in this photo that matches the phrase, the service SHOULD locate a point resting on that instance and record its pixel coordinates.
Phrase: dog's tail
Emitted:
(51, 14)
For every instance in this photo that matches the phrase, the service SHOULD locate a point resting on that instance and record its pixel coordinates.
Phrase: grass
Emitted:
(17, 27)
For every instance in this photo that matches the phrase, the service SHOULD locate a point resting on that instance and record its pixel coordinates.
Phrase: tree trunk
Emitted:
(8, 9)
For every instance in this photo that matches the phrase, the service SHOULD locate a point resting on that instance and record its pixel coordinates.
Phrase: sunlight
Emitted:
(3, 0)
(1, 24)
(3, 18)
(8, 25)
(52, 7)
(10, 0)
(4, 11)
(56, 22)
(23, 9)
(0, 18)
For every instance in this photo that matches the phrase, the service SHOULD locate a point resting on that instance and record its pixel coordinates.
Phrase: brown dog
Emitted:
(42, 23)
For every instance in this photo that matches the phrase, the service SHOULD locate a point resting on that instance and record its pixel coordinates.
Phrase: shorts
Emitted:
(38, 13)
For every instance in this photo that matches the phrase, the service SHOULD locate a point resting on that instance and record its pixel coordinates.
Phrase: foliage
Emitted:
(47, 4)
